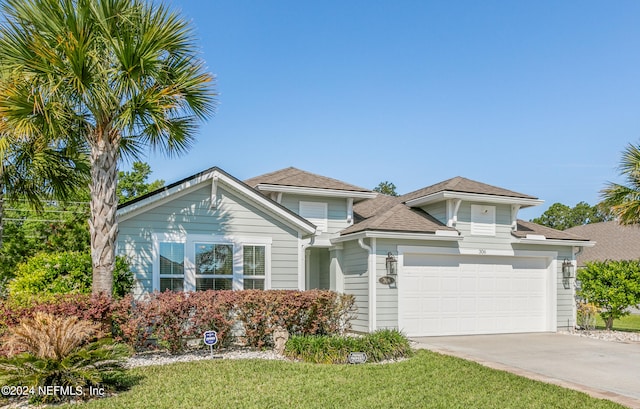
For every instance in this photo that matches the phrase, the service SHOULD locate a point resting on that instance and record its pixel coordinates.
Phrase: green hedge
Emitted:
(47, 274)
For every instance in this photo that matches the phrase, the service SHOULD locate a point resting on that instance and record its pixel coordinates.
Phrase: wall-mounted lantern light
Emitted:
(392, 264)
(567, 268)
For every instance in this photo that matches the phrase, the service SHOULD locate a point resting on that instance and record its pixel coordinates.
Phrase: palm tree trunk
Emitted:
(103, 225)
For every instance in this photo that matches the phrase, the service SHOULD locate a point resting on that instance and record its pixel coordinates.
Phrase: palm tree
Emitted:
(121, 74)
(624, 200)
(39, 173)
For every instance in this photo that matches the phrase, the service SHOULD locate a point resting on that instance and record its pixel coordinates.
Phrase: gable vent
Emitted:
(483, 220)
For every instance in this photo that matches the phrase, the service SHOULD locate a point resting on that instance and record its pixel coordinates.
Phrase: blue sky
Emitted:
(539, 97)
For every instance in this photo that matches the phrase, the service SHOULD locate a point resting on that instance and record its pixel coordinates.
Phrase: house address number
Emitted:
(482, 252)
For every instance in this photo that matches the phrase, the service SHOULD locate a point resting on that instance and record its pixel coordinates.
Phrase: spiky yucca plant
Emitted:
(58, 353)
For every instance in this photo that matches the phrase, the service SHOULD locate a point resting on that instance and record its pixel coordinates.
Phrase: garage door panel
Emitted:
(472, 295)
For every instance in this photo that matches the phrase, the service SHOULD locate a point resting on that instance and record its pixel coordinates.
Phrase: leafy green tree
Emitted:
(58, 226)
(48, 274)
(623, 200)
(560, 216)
(613, 286)
(121, 74)
(134, 183)
(386, 188)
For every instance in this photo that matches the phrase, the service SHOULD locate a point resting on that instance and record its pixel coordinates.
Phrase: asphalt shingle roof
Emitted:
(524, 228)
(613, 242)
(388, 213)
(463, 185)
(299, 178)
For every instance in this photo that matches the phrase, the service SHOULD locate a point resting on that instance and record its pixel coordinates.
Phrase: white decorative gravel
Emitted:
(164, 358)
(616, 336)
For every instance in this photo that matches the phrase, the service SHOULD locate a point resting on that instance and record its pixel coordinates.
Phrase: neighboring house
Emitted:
(612, 242)
(451, 258)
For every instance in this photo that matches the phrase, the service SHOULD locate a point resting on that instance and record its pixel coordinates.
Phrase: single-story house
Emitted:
(612, 242)
(451, 258)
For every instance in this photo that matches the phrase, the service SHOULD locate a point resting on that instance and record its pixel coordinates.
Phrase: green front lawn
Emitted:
(426, 380)
(628, 323)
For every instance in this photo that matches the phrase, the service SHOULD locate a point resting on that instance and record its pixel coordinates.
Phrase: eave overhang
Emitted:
(445, 235)
(473, 197)
(312, 191)
(555, 242)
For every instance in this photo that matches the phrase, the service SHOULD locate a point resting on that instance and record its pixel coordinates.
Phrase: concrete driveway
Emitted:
(603, 369)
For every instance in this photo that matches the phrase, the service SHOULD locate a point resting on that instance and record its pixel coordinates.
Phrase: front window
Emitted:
(214, 266)
(171, 266)
(253, 267)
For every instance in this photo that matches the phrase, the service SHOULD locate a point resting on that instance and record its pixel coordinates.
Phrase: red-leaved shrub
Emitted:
(314, 312)
(96, 309)
(170, 319)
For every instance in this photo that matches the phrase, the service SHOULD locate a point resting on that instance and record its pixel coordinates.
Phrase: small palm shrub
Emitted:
(49, 351)
(379, 346)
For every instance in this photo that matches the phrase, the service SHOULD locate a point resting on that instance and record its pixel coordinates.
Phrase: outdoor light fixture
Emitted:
(392, 264)
(566, 268)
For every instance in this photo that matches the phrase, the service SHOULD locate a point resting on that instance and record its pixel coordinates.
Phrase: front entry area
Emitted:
(318, 265)
(463, 295)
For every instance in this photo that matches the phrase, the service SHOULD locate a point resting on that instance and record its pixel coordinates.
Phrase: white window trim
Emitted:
(189, 240)
(155, 255)
(267, 263)
(192, 248)
(324, 221)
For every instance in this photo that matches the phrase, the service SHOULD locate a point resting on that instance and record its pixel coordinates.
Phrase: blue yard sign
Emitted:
(210, 338)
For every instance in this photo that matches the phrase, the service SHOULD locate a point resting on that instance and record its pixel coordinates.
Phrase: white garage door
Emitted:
(459, 295)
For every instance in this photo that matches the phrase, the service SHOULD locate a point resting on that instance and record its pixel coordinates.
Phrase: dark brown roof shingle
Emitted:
(299, 178)
(463, 185)
(388, 213)
(524, 228)
(613, 242)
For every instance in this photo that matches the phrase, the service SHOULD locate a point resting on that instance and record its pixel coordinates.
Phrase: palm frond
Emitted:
(623, 201)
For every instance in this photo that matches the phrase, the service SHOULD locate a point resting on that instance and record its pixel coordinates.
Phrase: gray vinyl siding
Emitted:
(191, 214)
(336, 211)
(437, 210)
(354, 269)
(501, 240)
(386, 295)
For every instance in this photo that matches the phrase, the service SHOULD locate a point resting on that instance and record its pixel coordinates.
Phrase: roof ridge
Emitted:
(464, 185)
(270, 173)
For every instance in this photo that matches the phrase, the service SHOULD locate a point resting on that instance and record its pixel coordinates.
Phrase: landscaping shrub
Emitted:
(612, 286)
(586, 315)
(379, 346)
(46, 275)
(57, 352)
(171, 318)
(95, 308)
(314, 312)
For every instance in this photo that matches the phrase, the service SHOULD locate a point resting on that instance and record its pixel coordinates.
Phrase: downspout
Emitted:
(371, 250)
